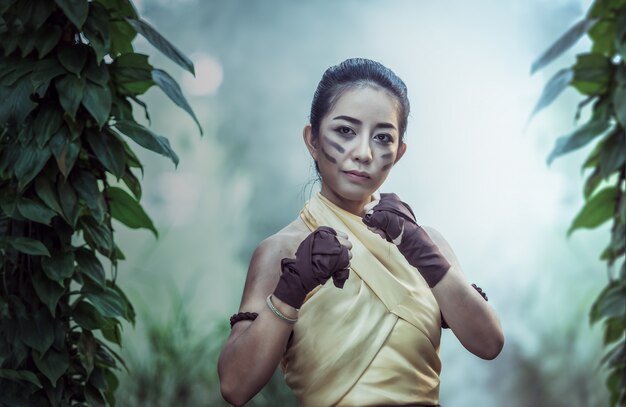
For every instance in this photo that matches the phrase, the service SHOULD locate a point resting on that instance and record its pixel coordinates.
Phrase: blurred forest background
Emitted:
(474, 169)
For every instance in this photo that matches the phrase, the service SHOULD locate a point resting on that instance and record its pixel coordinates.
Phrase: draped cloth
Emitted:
(375, 341)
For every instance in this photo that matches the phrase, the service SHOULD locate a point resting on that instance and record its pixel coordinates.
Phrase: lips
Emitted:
(359, 174)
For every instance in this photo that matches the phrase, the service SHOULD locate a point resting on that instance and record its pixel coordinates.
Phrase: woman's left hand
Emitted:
(394, 220)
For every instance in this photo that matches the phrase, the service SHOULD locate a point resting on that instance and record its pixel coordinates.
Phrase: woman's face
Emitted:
(357, 144)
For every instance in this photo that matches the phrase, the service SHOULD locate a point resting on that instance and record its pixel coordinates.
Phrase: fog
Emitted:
(475, 169)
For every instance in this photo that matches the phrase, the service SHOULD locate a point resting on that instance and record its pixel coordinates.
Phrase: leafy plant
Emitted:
(69, 79)
(600, 75)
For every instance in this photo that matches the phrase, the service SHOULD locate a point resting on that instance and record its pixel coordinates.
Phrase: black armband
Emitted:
(240, 316)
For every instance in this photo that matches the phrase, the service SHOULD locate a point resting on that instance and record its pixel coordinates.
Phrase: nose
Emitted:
(362, 150)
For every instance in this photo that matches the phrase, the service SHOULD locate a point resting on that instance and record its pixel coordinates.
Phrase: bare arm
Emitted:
(469, 316)
(254, 348)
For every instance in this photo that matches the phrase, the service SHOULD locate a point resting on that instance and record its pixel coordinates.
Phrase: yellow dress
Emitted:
(375, 341)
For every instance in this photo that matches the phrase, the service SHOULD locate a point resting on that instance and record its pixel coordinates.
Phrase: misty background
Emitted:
(475, 169)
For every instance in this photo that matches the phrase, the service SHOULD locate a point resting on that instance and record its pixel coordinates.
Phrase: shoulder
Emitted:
(265, 266)
(442, 243)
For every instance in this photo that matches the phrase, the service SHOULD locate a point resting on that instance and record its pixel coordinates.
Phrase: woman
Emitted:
(372, 336)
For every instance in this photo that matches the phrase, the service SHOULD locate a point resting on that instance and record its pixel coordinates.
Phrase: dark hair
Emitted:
(357, 72)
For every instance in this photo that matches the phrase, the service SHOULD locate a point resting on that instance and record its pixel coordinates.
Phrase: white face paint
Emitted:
(357, 144)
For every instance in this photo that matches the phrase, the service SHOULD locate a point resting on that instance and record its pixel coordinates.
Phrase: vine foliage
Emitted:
(600, 76)
(69, 79)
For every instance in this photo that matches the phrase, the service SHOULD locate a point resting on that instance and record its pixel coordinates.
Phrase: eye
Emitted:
(384, 138)
(344, 131)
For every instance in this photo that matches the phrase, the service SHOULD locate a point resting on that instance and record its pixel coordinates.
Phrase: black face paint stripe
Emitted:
(387, 166)
(386, 156)
(328, 156)
(336, 146)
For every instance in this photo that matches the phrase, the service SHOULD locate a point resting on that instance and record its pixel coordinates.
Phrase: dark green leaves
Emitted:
(28, 246)
(109, 150)
(98, 236)
(610, 303)
(161, 44)
(579, 137)
(563, 43)
(147, 139)
(132, 74)
(97, 100)
(97, 30)
(172, 90)
(59, 266)
(73, 57)
(592, 73)
(597, 210)
(128, 211)
(49, 292)
(31, 161)
(70, 89)
(90, 266)
(52, 364)
(553, 89)
(75, 10)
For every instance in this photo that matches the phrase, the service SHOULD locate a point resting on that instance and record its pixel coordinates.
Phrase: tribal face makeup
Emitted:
(357, 144)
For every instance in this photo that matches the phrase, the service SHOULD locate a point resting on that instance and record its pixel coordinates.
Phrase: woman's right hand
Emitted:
(323, 254)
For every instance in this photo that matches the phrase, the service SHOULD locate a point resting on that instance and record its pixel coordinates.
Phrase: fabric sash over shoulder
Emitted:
(376, 340)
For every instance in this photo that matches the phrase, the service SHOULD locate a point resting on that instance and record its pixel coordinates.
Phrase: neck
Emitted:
(355, 207)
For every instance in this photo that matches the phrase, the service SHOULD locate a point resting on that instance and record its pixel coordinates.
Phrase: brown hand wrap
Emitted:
(395, 217)
(319, 257)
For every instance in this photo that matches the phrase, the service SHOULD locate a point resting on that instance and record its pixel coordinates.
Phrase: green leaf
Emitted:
(620, 32)
(90, 266)
(613, 153)
(160, 43)
(132, 73)
(613, 330)
(48, 292)
(46, 192)
(94, 397)
(75, 10)
(172, 90)
(35, 211)
(87, 350)
(46, 39)
(564, 43)
(86, 185)
(65, 150)
(109, 150)
(97, 73)
(119, 8)
(97, 30)
(97, 100)
(592, 73)
(53, 364)
(59, 266)
(44, 71)
(592, 183)
(87, 316)
(603, 36)
(97, 236)
(41, 11)
(132, 183)
(73, 57)
(128, 211)
(111, 332)
(553, 89)
(16, 102)
(579, 138)
(619, 95)
(23, 375)
(47, 122)
(122, 35)
(597, 210)
(31, 162)
(38, 332)
(70, 89)
(69, 201)
(610, 303)
(29, 246)
(107, 302)
(147, 139)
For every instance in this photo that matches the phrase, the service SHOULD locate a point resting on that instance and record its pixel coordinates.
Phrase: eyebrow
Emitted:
(352, 120)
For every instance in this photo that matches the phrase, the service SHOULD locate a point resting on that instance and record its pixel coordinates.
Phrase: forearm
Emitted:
(469, 316)
(249, 359)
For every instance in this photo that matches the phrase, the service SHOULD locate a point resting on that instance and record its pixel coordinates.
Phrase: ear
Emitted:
(401, 151)
(310, 141)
